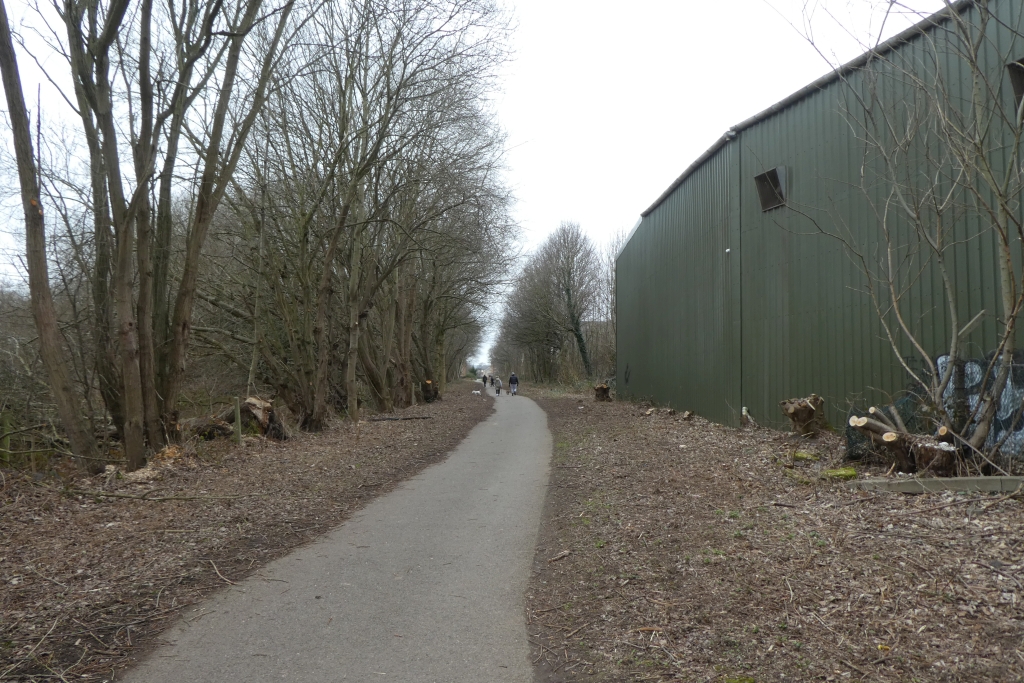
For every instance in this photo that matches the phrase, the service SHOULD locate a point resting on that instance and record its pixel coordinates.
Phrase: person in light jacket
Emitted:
(497, 386)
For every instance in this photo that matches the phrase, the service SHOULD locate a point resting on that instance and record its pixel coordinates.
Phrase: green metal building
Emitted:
(735, 290)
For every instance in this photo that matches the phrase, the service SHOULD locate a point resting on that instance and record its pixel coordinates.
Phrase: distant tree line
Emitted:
(298, 197)
(559, 319)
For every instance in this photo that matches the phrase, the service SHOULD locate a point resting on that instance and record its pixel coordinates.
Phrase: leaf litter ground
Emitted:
(88, 581)
(689, 551)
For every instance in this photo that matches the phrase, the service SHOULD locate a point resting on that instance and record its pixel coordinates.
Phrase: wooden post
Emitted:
(238, 421)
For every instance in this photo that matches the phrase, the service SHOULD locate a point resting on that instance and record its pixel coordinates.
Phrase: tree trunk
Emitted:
(217, 169)
(440, 365)
(581, 344)
(321, 328)
(425, 348)
(143, 220)
(376, 359)
(90, 66)
(993, 394)
(180, 330)
(161, 266)
(406, 382)
(376, 378)
(355, 267)
(256, 312)
(147, 359)
(134, 440)
(179, 103)
(43, 310)
(387, 350)
(105, 350)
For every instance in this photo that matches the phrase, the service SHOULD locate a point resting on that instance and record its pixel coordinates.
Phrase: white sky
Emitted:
(608, 102)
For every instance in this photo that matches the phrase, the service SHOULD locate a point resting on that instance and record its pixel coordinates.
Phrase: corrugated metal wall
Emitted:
(678, 298)
(808, 326)
(785, 313)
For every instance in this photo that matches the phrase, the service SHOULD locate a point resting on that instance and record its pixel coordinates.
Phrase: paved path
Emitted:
(424, 585)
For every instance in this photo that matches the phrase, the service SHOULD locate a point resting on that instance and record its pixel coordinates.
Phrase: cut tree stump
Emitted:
(911, 452)
(257, 416)
(806, 414)
(602, 392)
(430, 392)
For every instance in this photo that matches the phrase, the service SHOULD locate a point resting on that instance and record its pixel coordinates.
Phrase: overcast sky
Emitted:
(607, 103)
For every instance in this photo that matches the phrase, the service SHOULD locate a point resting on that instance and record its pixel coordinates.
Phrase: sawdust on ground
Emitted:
(90, 572)
(689, 551)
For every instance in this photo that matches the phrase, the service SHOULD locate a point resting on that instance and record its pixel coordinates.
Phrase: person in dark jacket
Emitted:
(513, 384)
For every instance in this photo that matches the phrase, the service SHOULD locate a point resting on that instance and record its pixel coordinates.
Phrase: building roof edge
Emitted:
(889, 45)
(632, 232)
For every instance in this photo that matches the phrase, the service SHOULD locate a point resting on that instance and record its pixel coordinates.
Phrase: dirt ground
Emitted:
(681, 550)
(88, 581)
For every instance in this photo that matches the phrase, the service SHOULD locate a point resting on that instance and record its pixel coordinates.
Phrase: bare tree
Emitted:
(382, 121)
(553, 301)
(573, 268)
(360, 163)
(201, 53)
(43, 309)
(940, 129)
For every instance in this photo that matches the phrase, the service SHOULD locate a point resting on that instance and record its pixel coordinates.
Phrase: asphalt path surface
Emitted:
(425, 584)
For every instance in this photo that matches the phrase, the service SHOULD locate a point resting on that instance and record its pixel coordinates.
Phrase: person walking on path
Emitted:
(513, 384)
(497, 386)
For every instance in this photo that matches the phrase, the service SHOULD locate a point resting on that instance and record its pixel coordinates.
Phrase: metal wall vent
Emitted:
(771, 188)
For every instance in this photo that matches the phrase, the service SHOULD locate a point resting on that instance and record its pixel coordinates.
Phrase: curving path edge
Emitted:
(425, 584)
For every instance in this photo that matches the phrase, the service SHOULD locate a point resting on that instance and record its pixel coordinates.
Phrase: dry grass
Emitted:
(704, 553)
(89, 579)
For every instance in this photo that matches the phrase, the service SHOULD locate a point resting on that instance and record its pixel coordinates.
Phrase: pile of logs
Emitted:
(912, 452)
(806, 414)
